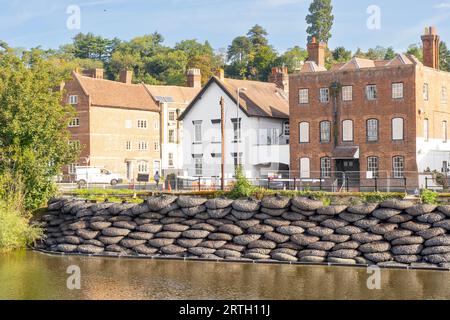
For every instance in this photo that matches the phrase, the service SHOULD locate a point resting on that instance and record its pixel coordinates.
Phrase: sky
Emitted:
(31, 23)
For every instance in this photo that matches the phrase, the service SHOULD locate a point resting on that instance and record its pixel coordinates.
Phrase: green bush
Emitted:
(429, 197)
(16, 232)
(242, 187)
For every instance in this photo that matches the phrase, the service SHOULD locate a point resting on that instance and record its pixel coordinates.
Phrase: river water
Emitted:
(32, 275)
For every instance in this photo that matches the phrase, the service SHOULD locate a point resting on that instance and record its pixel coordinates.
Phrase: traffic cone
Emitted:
(170, 187)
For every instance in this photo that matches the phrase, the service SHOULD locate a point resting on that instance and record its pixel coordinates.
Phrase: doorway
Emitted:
(348, 171)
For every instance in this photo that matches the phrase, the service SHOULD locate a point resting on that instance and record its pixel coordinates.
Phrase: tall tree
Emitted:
(34, 140)
(320, 20)
(416, 50)
(258, 36)
(340, 54)
(293, 59)
(390, 54)
(444, 55)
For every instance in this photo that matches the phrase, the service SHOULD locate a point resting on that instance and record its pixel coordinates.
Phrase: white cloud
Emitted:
(443, 5)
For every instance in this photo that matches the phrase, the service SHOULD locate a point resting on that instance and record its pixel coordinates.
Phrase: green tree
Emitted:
(320, 20)
(34, 140)
(251, 56)
(293, 59)
(390, 54)
(340, 54)
(444, 55)
(416, 50)
(90, 46)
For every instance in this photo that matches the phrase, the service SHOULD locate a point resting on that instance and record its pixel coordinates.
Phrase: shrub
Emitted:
(428, 196)
(16, 232)
(242, 187)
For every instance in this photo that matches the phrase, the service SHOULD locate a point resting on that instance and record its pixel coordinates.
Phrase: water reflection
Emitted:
(29, 275)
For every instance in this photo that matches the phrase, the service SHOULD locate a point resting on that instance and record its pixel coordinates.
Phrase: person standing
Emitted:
(157, 179)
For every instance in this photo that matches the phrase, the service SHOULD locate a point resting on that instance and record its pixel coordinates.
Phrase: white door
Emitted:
(156, 167)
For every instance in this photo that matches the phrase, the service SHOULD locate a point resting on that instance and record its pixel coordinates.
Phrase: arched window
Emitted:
(325, 132)
(325, 167)
(398, 167)
(347, 131)
(398, 129)
(305, 168)
(304, 132)
(372, 130)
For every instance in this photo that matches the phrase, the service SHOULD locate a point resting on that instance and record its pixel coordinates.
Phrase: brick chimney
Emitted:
(316, 52)
(280, 76)
(94, 73)
(194, 78)
(431, 42)
(126, 76)
(220, 73)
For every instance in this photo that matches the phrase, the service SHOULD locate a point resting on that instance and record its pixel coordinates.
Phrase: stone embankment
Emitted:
(393, 233)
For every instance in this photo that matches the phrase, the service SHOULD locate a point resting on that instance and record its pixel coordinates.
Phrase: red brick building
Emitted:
(367, 119)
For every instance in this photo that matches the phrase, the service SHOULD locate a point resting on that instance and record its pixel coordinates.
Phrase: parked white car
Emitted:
(87, 175)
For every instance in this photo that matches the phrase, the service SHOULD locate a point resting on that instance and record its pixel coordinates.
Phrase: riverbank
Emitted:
(395, 233)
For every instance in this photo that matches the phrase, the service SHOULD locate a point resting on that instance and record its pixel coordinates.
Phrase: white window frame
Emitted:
(444, 95)
(74, 123)
(172, 116)
(371, 137)
(373, 166)
(171, 160)
(156, 125)
(398, 167)
(371, 92)
(304, 132)
(347, 93)
(325, 167)
(445, 131)
(129, 146)
(156, 146)
(303, 96)
(324, 95)
(198, 166)
(397, 90)
(72, 168)
(237, 130)
(171, 136)
(426, 130)
(286, 129)
(73, 100)
(75, 143)
(143, 167)
(305, 168)
(426, 92)
(348, 131)
(325, 131)
(142, 124)
(198, 134)
(398, 136)
(143, 146)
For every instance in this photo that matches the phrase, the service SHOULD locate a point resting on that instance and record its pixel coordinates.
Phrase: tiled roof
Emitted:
(261, 99)
(106, 93)
(179, 97)
(361, 63)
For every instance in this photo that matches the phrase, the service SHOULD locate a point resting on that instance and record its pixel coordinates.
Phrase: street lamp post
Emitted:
(238, 122)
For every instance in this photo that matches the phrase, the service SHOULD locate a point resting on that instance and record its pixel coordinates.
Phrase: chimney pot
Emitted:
(316, 52)
(431, 42)
(280, 77)
(220, 74)
(194, 78)
(126, 76)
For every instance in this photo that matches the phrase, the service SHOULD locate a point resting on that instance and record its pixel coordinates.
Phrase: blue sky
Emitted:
(29, 23)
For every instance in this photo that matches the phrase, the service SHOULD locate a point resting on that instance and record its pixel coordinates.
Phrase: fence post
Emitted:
(320, 183)
(199, 184)
(376, 184)
(347, 180)
(295, 183)
(426, 183)
(406, 184)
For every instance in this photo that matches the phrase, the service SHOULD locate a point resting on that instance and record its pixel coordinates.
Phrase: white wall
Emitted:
(431, 155)
(208, 108)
